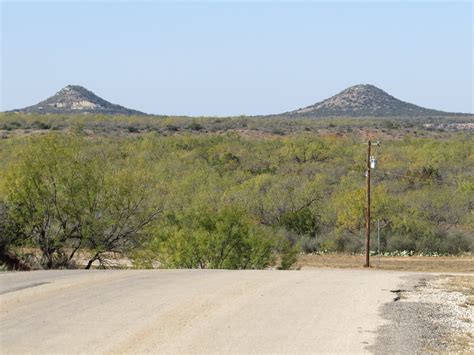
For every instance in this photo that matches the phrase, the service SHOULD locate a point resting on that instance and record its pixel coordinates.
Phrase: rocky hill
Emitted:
(364, 101)
(356, 101)
(74, 99)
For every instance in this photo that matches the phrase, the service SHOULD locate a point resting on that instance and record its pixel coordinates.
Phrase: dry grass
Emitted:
(455, 344)
(462, 343)
(412, 263)
(464, 285)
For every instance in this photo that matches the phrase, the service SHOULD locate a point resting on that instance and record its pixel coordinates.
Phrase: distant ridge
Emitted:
(365, 100)
(74, 99)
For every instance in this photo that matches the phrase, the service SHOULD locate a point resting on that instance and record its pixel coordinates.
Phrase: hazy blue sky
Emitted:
(214, 58)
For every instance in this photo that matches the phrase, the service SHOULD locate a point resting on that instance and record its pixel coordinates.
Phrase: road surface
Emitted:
(193, 311)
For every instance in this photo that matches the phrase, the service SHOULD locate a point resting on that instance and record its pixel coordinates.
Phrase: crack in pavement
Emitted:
(18, 288)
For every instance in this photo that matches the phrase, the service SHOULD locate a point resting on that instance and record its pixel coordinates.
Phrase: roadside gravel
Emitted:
(426, 316)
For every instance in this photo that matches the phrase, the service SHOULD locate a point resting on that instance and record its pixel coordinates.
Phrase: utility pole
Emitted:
(367, 212)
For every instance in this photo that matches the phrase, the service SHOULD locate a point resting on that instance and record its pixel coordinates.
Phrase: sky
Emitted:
(236, 58)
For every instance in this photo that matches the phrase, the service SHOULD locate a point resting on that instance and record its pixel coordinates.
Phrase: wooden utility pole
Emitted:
(367, 212)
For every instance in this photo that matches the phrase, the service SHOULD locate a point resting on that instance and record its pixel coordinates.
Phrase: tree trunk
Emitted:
(89, 264)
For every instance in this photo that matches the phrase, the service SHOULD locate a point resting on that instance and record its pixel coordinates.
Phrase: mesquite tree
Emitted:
(63, 198)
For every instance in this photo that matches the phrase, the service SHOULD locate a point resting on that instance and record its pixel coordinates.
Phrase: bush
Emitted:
(443, 243)
(195, 126)
(133, 129)
(309, 244)
(10, 126)
(302, 222)
(456, 243)
(399, 242)
(40, 125)
(142, 258)
(172, 128)
(223, 240)
(288, 255)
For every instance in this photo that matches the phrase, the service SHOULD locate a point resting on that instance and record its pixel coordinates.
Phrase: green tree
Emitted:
(65, 194)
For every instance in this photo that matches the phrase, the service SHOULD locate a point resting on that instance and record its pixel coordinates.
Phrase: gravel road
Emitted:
(196, 311)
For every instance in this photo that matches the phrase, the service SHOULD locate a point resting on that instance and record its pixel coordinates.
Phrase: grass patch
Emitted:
(412, 263)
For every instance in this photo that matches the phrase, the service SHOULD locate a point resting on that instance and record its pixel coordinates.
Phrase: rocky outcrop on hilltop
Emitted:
(74, 99)
(364, 101)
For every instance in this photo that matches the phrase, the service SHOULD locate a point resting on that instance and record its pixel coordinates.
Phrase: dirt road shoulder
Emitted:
(433, 313)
